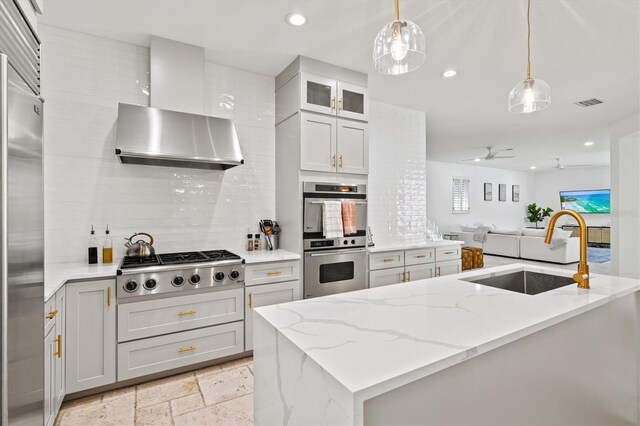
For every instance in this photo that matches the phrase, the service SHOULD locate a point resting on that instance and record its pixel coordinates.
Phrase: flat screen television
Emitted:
(587, 201)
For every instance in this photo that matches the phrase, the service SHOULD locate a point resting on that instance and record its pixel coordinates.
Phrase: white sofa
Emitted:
(534, 248)
(524, 247)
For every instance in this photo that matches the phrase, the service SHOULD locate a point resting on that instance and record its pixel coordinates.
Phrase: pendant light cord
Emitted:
(397, 10)
(528, 39)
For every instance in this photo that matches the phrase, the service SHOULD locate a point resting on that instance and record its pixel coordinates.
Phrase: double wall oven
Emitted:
(333, 265)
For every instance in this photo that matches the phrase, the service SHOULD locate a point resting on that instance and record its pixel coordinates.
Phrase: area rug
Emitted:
(598, 254)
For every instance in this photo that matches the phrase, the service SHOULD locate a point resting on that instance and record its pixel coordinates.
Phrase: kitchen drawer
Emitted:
(448, 253)
(50, 313)
(158, 354)
(266, 273)
(384, 277)
(137, 320)
(448, 268)
(391, 259)
(420, 256)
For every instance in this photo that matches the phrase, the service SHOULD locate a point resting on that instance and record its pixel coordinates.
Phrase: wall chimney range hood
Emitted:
(173, 131)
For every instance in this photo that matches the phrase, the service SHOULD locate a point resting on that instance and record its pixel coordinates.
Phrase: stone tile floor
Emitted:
(218, 395)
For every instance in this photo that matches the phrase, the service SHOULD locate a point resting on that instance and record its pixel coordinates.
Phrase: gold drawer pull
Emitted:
(59, 340)
(274, 273)
(402, 275)
(449, 252)
(388, 260)
(420, 256)
(108, 296)
(52, 314)
(190, 348)
(409, 272)
(250, 300)
(181, 314)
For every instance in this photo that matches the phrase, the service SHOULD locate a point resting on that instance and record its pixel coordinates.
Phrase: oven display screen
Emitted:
(332, 272)
(336, 188)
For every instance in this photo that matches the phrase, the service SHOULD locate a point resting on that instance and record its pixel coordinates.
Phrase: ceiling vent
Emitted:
(589, 102)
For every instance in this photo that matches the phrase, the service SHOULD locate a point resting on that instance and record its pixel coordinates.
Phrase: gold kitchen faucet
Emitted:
(582, 276)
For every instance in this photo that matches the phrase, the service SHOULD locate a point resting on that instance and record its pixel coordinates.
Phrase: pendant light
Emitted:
(399, 47)
(530, 95)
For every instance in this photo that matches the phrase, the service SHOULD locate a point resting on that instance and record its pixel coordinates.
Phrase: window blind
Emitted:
(461, 195)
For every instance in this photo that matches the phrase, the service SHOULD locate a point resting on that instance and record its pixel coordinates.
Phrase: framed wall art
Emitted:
(515, 193)
(502, 192)
(488, 192)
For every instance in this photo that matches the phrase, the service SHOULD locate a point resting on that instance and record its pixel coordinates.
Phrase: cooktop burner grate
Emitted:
(220, 255)
(137, 262)
(184, 257)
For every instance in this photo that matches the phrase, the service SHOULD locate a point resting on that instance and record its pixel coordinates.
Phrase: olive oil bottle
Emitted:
(107, 248)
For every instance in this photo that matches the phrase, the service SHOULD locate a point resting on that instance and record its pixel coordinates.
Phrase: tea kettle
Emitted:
(140, 248)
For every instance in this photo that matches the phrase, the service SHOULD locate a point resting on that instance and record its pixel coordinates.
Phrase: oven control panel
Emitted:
(344, 242)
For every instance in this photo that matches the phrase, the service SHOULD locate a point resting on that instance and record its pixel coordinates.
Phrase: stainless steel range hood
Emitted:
(159, 137)
(173, 132)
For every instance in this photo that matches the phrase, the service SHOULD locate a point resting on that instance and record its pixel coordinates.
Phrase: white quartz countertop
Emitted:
(375, 340)
(411, 244)
(56, 274)
(263, 256)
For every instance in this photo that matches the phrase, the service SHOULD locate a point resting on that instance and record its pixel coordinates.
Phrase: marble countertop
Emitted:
(375, 340)
(56, 274)
(411, 244)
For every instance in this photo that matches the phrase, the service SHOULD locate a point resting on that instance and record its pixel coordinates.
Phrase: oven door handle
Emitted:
(333, 253)
(338, 199)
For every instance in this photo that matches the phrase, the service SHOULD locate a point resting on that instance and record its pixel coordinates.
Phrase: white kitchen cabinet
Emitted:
(264, 295)
(54, 352)
(388, 276)
(318, 94)
(401, 266)
(447, 268)
(353, 101)
(318, 142)
(60, 358)
(91, 334)
(419, 272)
(49, 375)
(353, 147)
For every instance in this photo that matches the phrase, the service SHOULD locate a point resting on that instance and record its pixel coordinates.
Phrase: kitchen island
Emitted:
(450, 351)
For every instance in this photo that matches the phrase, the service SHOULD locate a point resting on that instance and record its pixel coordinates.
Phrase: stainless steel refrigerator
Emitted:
(21, 250)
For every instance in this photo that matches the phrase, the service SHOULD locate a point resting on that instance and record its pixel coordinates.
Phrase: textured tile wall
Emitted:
(84, 77)
(397, 178)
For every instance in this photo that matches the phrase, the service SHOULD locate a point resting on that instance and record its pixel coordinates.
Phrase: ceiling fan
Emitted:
(493, 155)
(561, 166)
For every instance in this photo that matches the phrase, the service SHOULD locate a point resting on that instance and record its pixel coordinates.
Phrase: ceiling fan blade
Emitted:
(473, 159)
(504, 156)
(576, 166)
(503, 150)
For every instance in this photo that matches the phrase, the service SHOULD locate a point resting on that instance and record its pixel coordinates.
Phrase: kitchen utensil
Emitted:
(140, 248)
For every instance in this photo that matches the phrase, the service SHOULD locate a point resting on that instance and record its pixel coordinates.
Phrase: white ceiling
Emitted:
(582, 48)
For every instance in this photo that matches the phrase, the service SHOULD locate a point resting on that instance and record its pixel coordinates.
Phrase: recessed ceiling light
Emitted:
(449, 73)
(588, 143)
(476, 159)
(533, 167)
(296, 19)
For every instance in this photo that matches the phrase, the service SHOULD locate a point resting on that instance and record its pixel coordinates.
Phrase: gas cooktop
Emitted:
(168, 273)
(178, 258)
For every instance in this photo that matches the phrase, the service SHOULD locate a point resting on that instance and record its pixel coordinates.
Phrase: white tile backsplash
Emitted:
(397, 178)
(84, 77)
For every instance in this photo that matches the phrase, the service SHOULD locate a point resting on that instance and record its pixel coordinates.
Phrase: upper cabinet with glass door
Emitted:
(333, 97)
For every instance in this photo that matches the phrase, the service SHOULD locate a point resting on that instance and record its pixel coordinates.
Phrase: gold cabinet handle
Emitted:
(409, 273)
(438, 271)
(108, 296)
(52, 314)
(333, 160)
(274, 273)
(340, 104)
(402, 276)
(181, 314)
(333, 103)
(250, 300)
(387, 260)
(341, 161)
(190, 348)
(59, 340)
(420, 256)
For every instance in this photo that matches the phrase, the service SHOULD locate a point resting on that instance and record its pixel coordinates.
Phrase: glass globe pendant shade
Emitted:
(529, 96)
(399, 48)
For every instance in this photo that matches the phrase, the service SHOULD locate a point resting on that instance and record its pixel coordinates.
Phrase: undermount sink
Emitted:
(526, 282)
